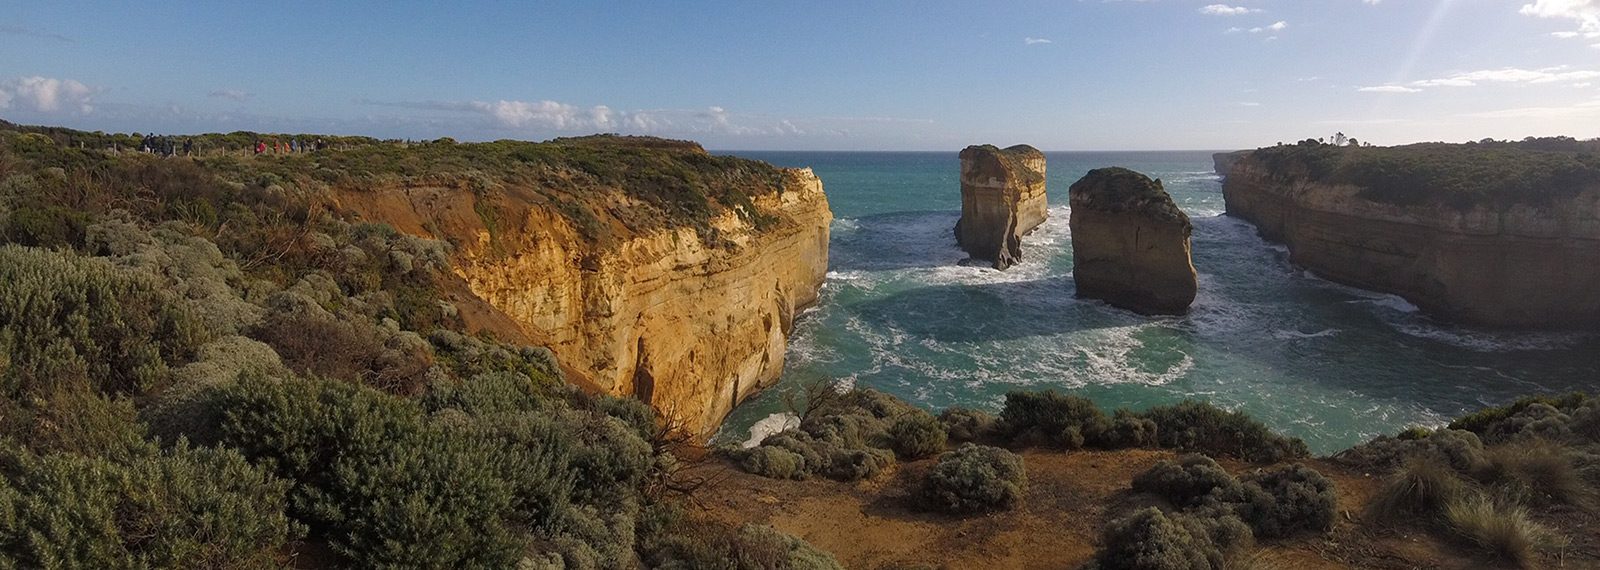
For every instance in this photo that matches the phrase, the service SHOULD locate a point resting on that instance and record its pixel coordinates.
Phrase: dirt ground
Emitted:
(875, 525)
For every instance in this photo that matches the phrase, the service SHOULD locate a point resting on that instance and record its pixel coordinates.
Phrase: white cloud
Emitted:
(234, 94)
(1388, 89)
(1031, 41)
(1276, 27)
(567, 118)
(1510, 75)
(46, 95)
(1226, 10)
(1584, 109)
(1585, 12)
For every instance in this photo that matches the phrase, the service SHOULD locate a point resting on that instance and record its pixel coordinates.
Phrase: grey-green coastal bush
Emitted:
(1052, 418)
(182, 507)
(1073, 422)
(846, 436)
(1459, 449)
(668, 540)
(1283, 501)
(974, 478)
(1149, 539)
(965, 424)
(459, 481)
(1201, 427)
(917, 435)
(1191, 481)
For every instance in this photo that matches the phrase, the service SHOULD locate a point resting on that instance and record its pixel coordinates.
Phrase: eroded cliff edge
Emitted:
(1002, 198)
(1130, 243)
(1491, 236)
(691, 319)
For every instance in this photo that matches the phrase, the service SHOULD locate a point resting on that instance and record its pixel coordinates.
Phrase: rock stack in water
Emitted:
(1002, 198)
(1130, 243)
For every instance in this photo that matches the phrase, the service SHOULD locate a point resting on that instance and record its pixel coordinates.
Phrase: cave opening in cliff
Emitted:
(644, 384)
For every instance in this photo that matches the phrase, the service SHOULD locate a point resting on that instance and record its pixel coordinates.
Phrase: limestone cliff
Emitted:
(1519, 264)
(1130, 243)
(1222, 162)
(1002, 198)
(692, 320)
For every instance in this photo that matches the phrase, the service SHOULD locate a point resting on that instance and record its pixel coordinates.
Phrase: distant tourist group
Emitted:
(166, 146)
(292, 146)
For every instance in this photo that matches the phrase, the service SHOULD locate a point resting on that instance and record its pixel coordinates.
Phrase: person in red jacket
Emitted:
(261, 146)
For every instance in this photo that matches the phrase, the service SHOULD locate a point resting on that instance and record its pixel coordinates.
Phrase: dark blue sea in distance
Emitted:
(1328, 363)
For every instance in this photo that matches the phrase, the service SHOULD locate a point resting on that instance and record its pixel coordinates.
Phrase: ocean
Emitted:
(1331, 364)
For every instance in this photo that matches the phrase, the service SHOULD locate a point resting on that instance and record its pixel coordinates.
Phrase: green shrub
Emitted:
(1201, 427)
(965, 424)
(668, 540)
(1150, 540)
(179, 508)
(1053, 418)
(1191, 481)
(1280, 502)
(1130, 430)
(1461, 450)
(1501, 531)
(856, 464)
(1484, 421)
(1421, 488)
(374, 481)
(917, 435)
(846, 436)
(774, 462)
(975, 478)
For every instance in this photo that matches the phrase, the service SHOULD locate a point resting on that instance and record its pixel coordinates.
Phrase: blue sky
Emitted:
(1060, 75)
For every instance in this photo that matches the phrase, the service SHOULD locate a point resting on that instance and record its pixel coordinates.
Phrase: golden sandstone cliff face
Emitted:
(1522, 266)
(691, 328)
(1130, 243)
(1002, 198)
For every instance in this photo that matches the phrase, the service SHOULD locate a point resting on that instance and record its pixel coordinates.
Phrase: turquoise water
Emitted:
(1328, 363)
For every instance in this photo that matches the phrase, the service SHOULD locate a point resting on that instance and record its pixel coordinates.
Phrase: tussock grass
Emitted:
(1500, 530)
(1422, 487)
(1539, 473)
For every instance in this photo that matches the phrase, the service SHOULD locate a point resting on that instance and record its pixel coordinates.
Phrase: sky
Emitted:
(815, 75)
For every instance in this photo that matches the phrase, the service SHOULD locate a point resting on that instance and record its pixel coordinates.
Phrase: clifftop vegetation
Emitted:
(666, 183)
(1119, 190)
(1487, 172)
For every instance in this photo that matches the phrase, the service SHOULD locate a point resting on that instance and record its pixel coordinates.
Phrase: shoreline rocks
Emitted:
(1130, 243)
(1002, 198)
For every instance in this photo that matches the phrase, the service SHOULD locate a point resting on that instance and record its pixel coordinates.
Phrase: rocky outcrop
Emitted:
(691, 325)
(1518, 265)
(1222, 162)
(1130, 243)
(1002, 198)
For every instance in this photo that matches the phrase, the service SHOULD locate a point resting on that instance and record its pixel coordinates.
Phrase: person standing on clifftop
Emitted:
(188, 146)
(261, 146)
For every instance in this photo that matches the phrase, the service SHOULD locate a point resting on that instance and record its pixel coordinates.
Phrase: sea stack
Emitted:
(1130, 243)
(1002, 198)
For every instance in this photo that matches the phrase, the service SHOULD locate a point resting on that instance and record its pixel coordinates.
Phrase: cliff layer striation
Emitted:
(1130, 243)
(1501, 237)
(1002, 198)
